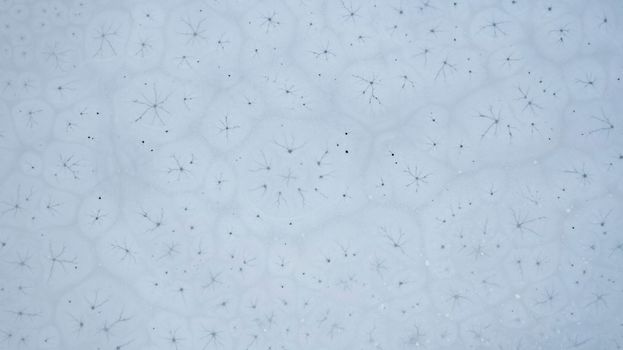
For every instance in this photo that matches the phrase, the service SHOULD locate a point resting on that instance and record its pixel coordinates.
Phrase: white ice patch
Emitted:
(331, 174)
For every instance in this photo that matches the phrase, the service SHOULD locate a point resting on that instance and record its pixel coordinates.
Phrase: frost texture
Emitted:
(337, 174)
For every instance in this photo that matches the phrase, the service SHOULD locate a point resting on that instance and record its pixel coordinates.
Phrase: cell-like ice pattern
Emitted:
(311, 174)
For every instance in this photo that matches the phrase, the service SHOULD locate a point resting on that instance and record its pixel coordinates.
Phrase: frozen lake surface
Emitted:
(308, 174)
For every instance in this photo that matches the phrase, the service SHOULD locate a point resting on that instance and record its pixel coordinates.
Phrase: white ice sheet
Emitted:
(307, 174)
